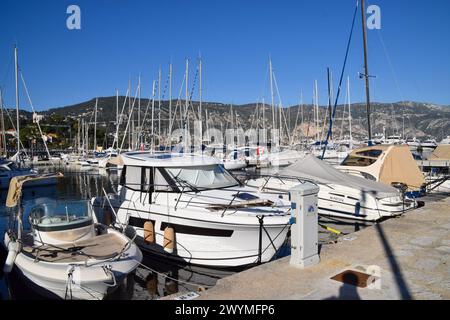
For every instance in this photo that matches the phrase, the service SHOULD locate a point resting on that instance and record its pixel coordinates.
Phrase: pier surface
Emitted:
(412, 253)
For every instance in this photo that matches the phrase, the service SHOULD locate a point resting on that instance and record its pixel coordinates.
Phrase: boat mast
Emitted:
(129, 114)
(366, 69)
(200, 91)
(117, 118)
(170, 102)
(139, 111)
(271, 93)
(159, 106)
(4, 151)
(95, 125)
(316, 99)
(349, 112)
(16, 58)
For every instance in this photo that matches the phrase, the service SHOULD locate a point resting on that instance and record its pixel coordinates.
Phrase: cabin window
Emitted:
(155, 179)
(370, 153)
(58, 215)
(204, 177)
(355, 161)
(133, 177)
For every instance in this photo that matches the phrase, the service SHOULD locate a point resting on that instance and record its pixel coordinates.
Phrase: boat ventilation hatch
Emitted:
(354, 278)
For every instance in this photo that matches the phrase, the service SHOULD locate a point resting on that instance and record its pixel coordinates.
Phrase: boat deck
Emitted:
(100, 247)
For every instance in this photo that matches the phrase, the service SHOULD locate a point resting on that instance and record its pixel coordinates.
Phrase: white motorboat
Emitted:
(190, 208)
(61, 250)
(340, 195)
(9, 169)
(429, 144)
(234, 161)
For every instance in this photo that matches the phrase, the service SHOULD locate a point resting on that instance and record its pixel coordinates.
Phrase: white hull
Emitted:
(89, 281)
(235, 164)
(341, 201)
(205, 237)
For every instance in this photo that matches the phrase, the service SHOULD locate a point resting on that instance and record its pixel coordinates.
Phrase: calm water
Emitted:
(164, 278)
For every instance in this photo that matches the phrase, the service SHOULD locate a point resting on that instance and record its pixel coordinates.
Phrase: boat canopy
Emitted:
(389, 164)
(118, 161)
(16, 184)
(442, 152)
(311, 168)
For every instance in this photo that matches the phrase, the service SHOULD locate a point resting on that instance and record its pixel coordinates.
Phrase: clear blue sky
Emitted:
(121, 39)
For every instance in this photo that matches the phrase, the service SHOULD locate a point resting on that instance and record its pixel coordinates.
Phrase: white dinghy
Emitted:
(65, 253)
(340, 195)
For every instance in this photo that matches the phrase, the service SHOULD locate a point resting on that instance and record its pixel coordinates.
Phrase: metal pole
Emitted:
(366, 68)
(4, 151)
(17, 98)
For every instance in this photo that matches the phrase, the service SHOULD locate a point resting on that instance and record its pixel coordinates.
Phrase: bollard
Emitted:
(304, 225)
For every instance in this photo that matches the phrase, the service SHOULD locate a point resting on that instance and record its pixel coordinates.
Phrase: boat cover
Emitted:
(442, 152)
(312, 168)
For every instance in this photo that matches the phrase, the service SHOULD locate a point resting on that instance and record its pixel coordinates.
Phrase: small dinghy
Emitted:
(63, 251)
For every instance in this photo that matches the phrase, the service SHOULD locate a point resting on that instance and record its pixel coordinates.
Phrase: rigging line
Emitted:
(340, 80)
(37, 122)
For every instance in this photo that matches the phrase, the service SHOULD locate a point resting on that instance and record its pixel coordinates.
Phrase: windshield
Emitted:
(207, 177)
(61, 213)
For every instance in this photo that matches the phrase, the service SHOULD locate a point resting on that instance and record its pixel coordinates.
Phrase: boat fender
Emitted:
(149, 232)
(169, 239)
(13, 250)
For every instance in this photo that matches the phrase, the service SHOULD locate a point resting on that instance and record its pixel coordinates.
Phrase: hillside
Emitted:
(418, 119)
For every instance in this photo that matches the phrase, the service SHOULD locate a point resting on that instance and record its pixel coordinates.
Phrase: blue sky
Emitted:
(122, 39)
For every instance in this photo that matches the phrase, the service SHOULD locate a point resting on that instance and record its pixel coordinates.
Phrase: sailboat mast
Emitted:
(16, 58)
(4, 151)
(271, 94)
(117, 118)
(200, 91)
(316, 100)
(95, 126)
(170, 101)
(366, 68)
(159, 107)
(349, 112)
(139, 110)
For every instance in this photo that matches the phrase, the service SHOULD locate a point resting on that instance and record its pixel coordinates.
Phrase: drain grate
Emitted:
(354, 278)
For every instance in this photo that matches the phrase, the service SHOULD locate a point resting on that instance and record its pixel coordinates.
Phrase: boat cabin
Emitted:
(155, 172)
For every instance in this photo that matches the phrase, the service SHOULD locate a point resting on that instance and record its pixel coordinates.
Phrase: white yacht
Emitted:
(234, 161)
(340, 195)
(190, 208)
(62, 252)
(429, 144)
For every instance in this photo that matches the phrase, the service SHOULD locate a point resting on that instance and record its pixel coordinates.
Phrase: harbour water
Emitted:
(157, 277)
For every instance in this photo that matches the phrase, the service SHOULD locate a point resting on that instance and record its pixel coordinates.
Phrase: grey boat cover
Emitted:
(312, 168)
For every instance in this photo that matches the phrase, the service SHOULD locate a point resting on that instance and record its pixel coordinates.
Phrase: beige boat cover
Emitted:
(118, 161)
(442, 152)
(400, 166)
(16, 184)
